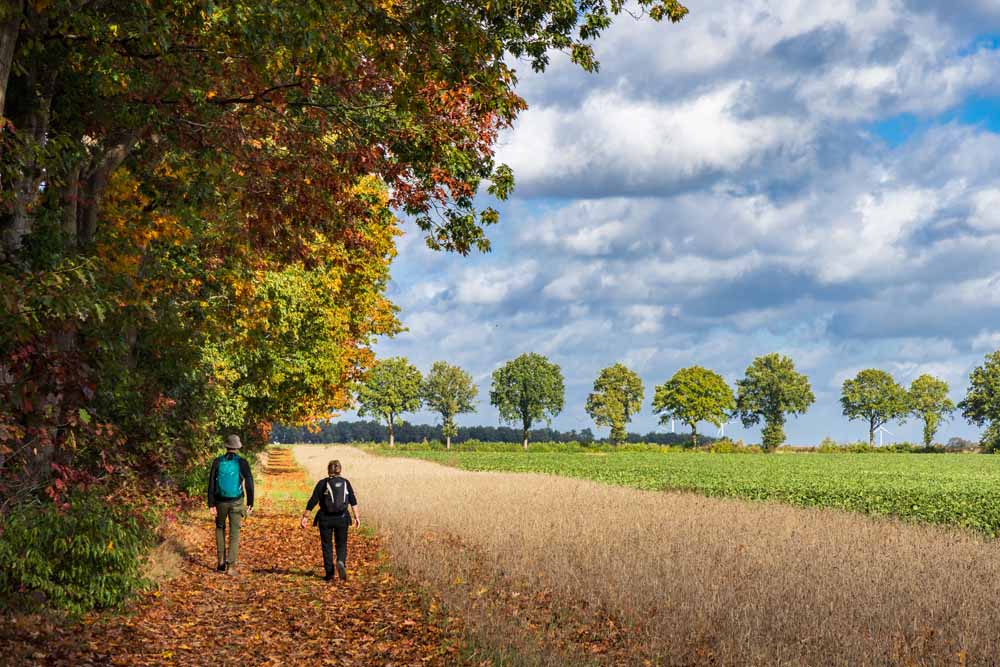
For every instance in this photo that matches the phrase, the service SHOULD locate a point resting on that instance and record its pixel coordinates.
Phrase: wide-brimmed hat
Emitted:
(233, 442)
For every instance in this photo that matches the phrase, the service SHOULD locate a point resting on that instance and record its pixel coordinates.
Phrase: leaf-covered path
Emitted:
(279, 611)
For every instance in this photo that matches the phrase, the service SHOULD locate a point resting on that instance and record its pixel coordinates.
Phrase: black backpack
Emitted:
(335, 496)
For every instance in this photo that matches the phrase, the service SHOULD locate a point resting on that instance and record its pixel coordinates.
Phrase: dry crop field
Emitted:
(955, 489)
(553, 570)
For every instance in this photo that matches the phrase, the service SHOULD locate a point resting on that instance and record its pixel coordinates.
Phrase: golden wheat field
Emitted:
(551, 570)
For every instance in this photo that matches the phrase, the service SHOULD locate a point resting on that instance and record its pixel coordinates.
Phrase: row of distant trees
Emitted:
(347, 431)
(530, 389)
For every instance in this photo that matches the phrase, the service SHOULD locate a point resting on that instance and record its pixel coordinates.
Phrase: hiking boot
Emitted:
(328, 577)
(341, 570)
(221, 567)
(232, 570)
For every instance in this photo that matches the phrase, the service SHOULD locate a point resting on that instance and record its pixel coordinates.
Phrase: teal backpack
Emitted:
(227, 478)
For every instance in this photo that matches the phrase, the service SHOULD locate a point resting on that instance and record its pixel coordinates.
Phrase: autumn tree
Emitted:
(693, 395)
(526, 390)
(616, 397)
(874, 396)
(770, 390)
(449, 391)
(163, 177)
(981, 405)
(929, 402)
(394, 386)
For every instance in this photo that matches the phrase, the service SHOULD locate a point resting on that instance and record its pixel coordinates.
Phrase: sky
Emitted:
(816, 179)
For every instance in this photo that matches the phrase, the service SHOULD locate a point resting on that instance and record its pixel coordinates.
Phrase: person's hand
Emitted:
(357, 521)
(213, 510)
(249, 510)
(304, 521)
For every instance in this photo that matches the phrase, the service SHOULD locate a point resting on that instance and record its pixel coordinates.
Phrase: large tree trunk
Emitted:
(71, 199)
(524, 435)
(447, 441)
(96, 182)
(392, 433)
(31, 129)
(694, 435)
(871, 432)
(10, 24)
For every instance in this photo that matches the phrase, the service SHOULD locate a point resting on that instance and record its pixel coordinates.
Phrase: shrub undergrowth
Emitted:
(86, 556)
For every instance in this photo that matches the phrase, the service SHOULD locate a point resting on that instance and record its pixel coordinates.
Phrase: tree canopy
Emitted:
(692, 395)
(981, 404)
(616, 397)
(197, 205)
(770, 390)
(874, 396)
(392, 387)
(527, 389)
(929, 402)
(449, 391)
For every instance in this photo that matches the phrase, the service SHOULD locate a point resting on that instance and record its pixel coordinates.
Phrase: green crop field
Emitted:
(955, 489)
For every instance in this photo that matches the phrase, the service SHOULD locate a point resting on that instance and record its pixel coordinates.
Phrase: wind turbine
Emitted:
(672, 425)
(881, 430)
(722, 429)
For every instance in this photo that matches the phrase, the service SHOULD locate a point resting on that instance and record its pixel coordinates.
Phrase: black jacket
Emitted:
(317, 494)
(245, 477)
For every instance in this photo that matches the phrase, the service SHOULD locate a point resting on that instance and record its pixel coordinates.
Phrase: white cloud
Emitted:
(641, 143)
(870, 239)
(490, 287)
(570, 284)
(986, 210)
(646, 318)
(986, 340)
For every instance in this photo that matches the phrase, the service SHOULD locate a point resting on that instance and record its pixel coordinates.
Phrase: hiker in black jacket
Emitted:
(335, 496)
(229, 479)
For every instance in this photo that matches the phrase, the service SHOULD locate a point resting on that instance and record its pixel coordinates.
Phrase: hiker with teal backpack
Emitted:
(335, 497)
(228, 481)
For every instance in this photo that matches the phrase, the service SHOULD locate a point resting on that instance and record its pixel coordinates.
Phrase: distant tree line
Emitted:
(530, 389)
(332, 432)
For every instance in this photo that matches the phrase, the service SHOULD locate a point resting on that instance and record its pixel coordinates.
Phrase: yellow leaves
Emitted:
(111, 545)
(210, 95)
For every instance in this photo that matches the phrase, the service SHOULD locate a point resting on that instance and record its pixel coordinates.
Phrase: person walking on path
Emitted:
(228, 481)
(335, 496)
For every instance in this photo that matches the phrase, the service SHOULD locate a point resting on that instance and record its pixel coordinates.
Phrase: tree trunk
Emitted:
(96, 182)
(871, 433)
(71, 198)
(32, 129)
(694, 435)
(10, 25)
(524, 435)
(392, 434)
(447, 442)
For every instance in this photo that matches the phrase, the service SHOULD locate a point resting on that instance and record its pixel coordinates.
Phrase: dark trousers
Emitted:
(333, 529)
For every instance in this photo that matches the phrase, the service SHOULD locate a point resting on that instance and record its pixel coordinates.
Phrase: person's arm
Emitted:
(313, 501)
(352, 504)
(247, 482)
(211, 485)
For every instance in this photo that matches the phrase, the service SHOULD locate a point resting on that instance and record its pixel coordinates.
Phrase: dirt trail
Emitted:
(279, 611)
